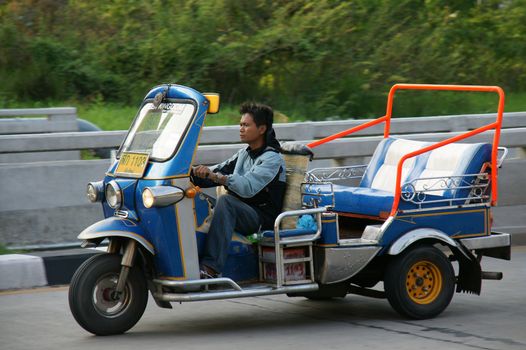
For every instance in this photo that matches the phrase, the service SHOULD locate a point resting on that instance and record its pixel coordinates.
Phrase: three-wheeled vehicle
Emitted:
(415, 209)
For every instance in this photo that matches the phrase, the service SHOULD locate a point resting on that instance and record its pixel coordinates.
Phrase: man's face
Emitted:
(248, 130)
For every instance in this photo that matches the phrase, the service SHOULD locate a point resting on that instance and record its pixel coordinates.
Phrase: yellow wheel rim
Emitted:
(423, 282)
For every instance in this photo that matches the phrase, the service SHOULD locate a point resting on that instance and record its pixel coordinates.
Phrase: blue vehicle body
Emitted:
(411, 197)
(175, 252)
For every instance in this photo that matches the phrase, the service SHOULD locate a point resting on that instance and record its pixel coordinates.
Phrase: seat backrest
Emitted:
(381, 171)
(451, 160)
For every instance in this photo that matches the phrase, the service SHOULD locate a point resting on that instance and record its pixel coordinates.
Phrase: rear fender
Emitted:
(419, 234)
(117, 227)
(470, 273)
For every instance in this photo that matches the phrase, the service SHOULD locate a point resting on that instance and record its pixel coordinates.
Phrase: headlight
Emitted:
(147, 198)
(95, 191)
(113, 195)
(161, 196)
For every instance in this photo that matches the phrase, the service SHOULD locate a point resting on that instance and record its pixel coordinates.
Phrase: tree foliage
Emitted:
(317, 58)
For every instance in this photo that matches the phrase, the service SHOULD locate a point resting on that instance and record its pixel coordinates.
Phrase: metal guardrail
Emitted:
(51, 112)
(208, 154)
(61, 141)
(61, 119)
(28, 185)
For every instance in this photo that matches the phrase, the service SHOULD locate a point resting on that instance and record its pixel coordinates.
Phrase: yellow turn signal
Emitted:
(192, 192)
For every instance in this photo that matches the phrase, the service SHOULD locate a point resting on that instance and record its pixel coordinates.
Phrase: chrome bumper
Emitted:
(494, 240)
(497, 245)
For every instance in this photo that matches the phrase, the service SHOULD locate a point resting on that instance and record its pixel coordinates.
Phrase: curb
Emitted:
(51, 268)
(41, 269)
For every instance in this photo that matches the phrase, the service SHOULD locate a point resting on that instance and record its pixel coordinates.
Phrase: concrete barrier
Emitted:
(37, 121)
(43, 202)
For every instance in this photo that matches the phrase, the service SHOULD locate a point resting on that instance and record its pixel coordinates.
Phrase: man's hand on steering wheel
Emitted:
(202, 171)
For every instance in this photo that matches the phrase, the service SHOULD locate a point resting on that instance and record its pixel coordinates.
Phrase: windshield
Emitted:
(158, 131)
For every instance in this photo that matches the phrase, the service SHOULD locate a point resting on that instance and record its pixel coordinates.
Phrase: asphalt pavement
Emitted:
(40, 319)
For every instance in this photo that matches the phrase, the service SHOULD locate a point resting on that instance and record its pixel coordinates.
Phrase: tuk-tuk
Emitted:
(402, 219)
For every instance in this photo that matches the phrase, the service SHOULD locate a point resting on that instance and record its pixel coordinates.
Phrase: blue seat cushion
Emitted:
(360, 200)
(426, 172)
(289, 233)
(372, 202)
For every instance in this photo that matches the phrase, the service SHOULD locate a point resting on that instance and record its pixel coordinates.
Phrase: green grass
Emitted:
(113, 116)
(4, 250)
(116, 117)
(513, 102)
(228, 115)
(426, 103)
(108, 116)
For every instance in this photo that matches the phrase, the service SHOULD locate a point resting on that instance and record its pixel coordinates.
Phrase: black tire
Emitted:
(420, 283)
(91, 302)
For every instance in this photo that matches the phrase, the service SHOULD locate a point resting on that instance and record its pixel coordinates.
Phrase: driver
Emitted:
(255, 180)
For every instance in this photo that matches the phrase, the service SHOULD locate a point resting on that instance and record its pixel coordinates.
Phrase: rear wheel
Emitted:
(420, 282)
(94, 303)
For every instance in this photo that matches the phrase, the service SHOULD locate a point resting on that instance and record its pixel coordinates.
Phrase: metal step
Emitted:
(248, 291)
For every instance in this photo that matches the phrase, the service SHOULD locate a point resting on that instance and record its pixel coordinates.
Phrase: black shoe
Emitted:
(207, 272)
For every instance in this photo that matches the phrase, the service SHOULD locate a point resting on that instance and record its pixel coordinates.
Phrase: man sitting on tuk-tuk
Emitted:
(255, 180)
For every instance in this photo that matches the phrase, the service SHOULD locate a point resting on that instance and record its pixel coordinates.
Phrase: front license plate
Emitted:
(132, 164)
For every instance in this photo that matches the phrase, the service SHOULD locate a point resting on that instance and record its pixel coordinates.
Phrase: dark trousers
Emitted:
(230, 214)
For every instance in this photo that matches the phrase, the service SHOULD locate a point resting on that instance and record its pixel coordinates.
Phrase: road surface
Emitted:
(40, 319)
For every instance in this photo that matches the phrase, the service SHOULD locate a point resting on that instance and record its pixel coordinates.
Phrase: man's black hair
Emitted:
(262, 114)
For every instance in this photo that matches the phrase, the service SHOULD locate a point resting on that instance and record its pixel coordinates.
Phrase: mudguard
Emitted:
(117, 227)
(470, 274)
(416, 235)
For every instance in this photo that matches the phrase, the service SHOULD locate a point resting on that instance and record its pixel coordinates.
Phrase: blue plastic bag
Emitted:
(307, 222)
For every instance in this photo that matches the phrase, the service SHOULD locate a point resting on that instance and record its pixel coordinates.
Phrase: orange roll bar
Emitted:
(496, 137)
(349, 131)
(387, 119)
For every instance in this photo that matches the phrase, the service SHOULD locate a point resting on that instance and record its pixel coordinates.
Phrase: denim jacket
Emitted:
(257, 177)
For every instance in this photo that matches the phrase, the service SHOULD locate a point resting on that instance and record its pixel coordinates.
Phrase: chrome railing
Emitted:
(417, 191)
(335, 173)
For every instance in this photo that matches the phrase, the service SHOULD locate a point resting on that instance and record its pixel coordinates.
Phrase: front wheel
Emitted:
(420, 283)
(94, 303)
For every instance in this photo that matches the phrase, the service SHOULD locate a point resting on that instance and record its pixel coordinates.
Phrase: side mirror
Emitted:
(213, 100)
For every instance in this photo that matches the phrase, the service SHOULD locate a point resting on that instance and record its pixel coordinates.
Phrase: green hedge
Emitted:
(315, 58)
